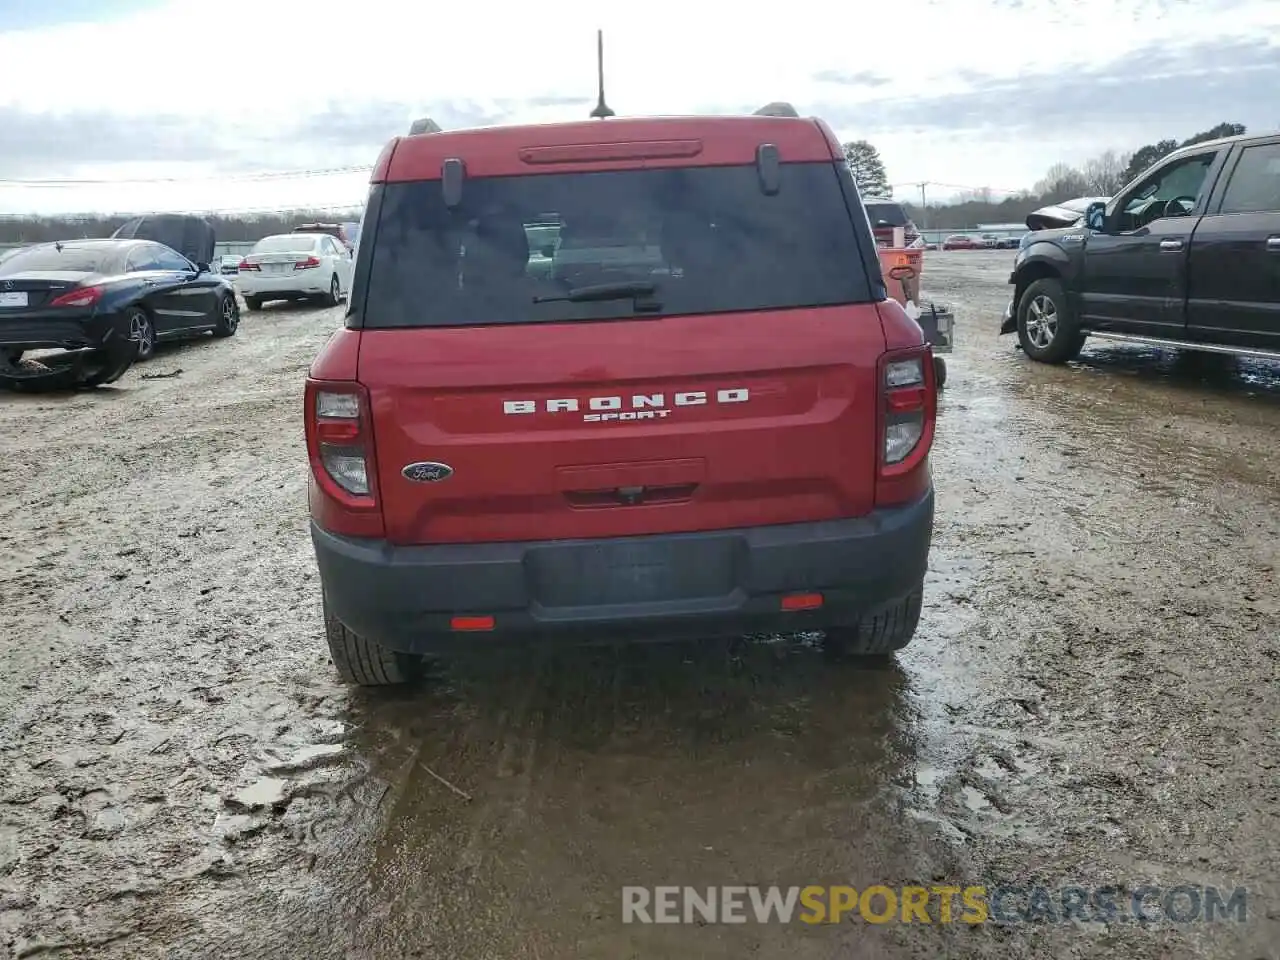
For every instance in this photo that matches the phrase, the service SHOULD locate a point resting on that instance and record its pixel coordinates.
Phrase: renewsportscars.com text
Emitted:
(1002, 904)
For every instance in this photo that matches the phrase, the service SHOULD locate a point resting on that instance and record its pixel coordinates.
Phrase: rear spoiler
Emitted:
(453, 171)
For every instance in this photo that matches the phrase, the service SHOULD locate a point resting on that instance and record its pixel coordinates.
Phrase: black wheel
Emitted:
(939, 372)
(228, 317)
(335, 292)
(253, 303)
(142, 331)
(880, 633)
(363, 662)
(1047, 329)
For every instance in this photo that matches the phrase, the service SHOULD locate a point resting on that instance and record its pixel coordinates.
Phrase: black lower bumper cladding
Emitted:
(100, 356)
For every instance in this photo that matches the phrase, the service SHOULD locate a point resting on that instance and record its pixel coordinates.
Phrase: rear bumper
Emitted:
(699, 584)
(95, 349)
(45, 329)
(299, 283)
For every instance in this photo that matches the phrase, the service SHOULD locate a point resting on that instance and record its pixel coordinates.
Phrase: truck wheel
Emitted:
(880, 633)
(1046, 327)
(939, 372)
(363, 662)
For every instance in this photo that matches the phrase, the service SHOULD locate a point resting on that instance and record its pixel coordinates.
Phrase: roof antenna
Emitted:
(602, 109)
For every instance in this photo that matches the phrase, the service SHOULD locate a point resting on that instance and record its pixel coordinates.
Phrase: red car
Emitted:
(958, 241)
(885, 214)
(704, 417)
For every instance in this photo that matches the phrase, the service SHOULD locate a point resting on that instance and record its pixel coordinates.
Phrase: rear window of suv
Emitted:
(635, 243)
(886, 214)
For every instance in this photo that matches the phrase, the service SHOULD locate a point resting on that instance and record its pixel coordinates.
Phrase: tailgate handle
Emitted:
(630, 496)
(631, 484)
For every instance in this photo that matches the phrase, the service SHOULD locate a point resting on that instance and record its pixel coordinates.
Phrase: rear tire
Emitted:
(142, 331)
(253, 303)
(335, 292)
(1047, 329)
(939, 372)
(363, 662)
(880, 633)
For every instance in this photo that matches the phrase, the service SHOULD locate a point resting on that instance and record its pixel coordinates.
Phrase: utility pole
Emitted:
(923, 203)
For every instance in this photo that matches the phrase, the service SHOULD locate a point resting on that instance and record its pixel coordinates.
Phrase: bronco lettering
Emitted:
(640, 406)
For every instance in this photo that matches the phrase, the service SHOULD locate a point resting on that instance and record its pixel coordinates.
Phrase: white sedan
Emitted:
(295, 266)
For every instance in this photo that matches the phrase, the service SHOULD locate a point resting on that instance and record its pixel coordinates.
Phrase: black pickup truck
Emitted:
(1185, 256)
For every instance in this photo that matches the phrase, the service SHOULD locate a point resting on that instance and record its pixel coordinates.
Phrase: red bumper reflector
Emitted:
(471, 623)
(802, 601)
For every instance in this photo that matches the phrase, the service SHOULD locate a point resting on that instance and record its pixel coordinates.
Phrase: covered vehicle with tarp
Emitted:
(191, 236)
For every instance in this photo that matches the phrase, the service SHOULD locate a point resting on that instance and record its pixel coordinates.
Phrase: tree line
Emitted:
(225, 226)
(1099, 176)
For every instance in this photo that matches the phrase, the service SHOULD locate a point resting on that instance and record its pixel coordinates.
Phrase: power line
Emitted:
(275, 175)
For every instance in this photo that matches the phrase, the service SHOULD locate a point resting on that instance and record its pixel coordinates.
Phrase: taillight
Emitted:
(908, 413)
(246, 265)
(80, 297)
(337, 421)
(306, 264)
(344, 483)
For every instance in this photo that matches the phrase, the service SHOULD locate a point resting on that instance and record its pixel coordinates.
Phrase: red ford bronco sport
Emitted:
(618, 377)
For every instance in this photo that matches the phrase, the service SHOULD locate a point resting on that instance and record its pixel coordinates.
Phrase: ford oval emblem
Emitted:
(427, 472)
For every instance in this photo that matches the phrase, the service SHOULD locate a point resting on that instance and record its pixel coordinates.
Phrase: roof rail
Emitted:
(424, 125)
(779, 108)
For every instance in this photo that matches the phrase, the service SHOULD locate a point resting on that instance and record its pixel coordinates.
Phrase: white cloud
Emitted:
(244, 76)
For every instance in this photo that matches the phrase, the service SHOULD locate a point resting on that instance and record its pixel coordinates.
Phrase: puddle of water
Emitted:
(974, 799)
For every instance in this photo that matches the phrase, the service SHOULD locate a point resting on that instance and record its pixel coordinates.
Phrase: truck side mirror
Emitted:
(1095, 216)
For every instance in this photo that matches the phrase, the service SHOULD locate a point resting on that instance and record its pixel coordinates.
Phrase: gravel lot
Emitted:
(1092, 698)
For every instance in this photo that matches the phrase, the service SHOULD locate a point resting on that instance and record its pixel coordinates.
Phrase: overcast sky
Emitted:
(963, 93)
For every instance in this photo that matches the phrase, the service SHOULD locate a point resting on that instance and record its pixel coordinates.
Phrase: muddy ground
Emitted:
(1092, 698)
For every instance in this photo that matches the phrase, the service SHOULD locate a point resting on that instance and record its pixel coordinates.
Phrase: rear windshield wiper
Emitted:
(638, 290)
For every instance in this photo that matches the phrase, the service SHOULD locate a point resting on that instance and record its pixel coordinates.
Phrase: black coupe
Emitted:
(105, 304)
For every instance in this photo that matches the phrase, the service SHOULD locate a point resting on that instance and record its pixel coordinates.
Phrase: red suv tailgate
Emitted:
(725, 421)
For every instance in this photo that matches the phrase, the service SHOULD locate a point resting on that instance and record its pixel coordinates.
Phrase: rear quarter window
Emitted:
(706, 240)
(1255, 183)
